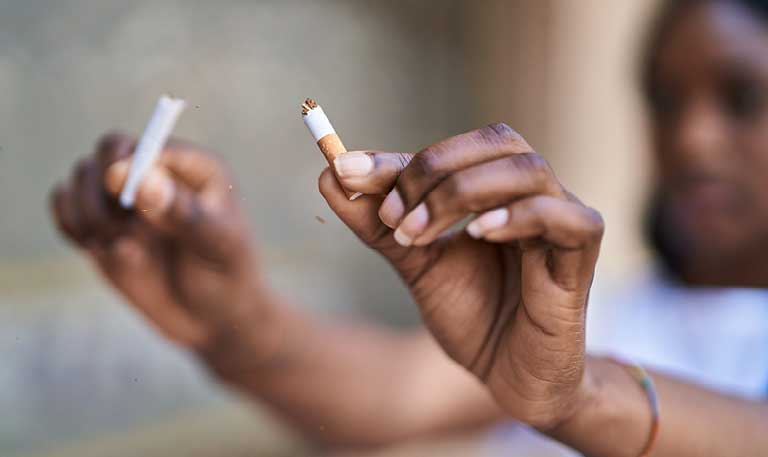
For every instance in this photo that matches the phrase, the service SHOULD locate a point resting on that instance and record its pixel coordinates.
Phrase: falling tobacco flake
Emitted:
(320, 219)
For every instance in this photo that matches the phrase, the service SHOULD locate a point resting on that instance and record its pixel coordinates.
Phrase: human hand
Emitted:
(506, 298)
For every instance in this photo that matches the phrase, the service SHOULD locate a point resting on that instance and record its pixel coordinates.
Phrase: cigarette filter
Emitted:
(324, 134)
(150, 145)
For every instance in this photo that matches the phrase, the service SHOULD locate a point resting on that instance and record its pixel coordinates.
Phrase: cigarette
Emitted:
(150, 145)
(324, 134)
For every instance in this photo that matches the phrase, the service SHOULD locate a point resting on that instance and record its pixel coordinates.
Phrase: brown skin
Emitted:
(508, 308)
(509, 312)
(711, 135)
(185, 259)
(371, 386)
(709, 100)
(182, 251)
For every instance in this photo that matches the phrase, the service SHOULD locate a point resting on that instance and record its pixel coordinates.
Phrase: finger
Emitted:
(360, 215)
(168, 205)
(475, 189)
(574, 230)
(66, 215)
(81, 208)
(564, 224)
(102, 219)
(112, 147)
(370, 172)
(435, 163)
(199, 170)
(159, 199)
(105, 218)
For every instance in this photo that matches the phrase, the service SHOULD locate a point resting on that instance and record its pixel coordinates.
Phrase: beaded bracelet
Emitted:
(642, 377)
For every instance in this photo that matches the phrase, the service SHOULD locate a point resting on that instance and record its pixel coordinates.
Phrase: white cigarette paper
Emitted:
(318, 123)
(325, 136)
(150, 145)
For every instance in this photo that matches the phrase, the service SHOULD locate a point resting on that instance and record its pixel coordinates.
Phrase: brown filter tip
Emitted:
(308, 106)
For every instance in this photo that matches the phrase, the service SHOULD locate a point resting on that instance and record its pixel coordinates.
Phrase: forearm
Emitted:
(352, 384)
(615, 418)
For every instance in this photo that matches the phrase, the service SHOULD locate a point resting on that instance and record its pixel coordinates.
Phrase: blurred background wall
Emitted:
(81, 372)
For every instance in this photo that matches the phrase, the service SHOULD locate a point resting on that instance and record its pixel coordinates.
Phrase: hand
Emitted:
(183, 256)
(506, 298)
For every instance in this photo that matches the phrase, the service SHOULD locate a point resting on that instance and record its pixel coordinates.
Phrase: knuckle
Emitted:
(450, 193)
(403, 159)
(463, 192)
(378, 238)
(111, 139)
(82, 167)
(595, 224)
(499, 133)
(537, 163)
(426, 162)
(452, 188)
(110, 142)
(536, 168)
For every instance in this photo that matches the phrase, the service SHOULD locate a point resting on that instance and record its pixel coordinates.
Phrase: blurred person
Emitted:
(508, 307)
(705, 80)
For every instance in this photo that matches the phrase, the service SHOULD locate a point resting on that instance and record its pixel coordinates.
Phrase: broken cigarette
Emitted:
(150, 145)
(324, 134)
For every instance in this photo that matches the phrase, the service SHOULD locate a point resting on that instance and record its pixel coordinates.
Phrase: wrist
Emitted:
(251, 338)
(585, 397)
(611, 416)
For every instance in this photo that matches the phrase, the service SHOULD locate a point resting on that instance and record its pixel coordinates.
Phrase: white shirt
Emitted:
(715, 337)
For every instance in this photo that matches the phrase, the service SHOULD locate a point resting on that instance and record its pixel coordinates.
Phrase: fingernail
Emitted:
(488, 222)
(392, 209)
(413, 225)
(353, 164)
(402, 239)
